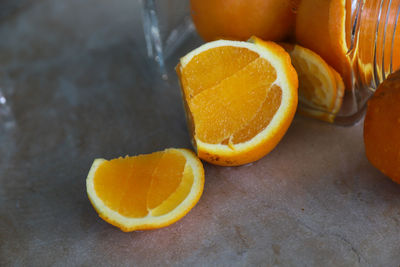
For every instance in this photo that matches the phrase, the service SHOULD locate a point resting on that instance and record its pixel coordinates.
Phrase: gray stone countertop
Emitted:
(78, 86)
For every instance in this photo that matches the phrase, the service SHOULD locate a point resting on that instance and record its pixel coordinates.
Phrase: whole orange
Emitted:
(382, 128)
(240, 19)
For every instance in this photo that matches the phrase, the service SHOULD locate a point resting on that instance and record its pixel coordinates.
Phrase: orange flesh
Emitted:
(315, 90)
(134, 186)
(228, 93)
(263, 118)
(210, 67)
(178, 196)
(309, 84)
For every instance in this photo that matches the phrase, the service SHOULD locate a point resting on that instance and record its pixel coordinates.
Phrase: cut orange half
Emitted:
(240, 98)
(324, 27)
(321, 88)
(146, 191)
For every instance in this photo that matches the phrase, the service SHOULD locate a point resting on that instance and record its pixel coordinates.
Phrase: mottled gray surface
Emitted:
(78, 87)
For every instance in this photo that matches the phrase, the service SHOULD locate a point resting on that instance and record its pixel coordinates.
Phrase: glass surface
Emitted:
(5, 112)
(167, 24)
(373, 51)
(8, 8)
(6, 115)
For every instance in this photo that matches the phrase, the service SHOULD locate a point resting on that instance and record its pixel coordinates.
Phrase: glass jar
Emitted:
(167, 25)
(374, 51)
(358, 38)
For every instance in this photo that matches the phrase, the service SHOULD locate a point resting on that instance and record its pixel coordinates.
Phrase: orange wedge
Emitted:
(146, 191)
(321, 88)
(240, 98)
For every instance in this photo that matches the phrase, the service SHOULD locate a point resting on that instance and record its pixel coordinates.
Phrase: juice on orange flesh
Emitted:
(147, 181)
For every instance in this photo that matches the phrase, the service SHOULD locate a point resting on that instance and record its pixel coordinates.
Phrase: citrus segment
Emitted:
(242, 114)
(199, 75)
(263, 117)
(178, 196)
(229, 107)
(166, 178)
(146, 191)
(117, 180)
(321, 88)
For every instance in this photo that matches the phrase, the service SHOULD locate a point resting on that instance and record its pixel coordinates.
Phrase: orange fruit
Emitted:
(382, 128)
(240, 19)
(321, 88)
(240, 98)
(146, 191)
(324, 27)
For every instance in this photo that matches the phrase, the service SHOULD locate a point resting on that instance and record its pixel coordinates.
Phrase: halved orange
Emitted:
(321, 88)
(240, 98)
(146, 191)
(325, 27)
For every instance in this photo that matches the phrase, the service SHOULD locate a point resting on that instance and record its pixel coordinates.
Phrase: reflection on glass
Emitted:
(166, 24)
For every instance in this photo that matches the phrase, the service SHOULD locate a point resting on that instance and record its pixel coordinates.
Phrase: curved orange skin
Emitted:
(266, 145)
(382, 128)
(319, 28)
(144, 226)
(240, 19)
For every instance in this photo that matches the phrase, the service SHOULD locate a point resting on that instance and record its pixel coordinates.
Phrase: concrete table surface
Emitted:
(78, 86)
